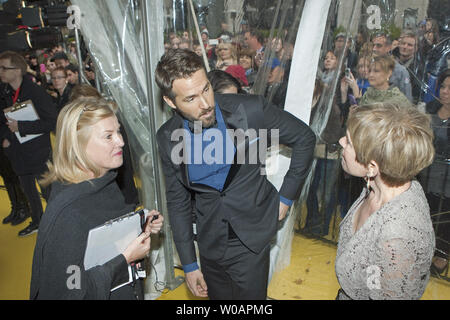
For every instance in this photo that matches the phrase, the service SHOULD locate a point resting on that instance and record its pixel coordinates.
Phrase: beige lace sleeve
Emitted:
(399, 276)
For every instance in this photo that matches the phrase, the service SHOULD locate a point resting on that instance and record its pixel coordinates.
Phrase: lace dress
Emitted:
(389, 257)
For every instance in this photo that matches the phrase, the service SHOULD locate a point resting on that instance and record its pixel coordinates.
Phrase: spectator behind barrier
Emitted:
(436, 178)
(223, 82)
(409, 56)
(380, 90)
(329, 69)
(72, 72)
(226, 56)
(246, 59)
(382, 46)
(62, 87)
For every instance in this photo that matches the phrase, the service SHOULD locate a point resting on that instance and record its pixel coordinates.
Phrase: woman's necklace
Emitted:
(444, 114)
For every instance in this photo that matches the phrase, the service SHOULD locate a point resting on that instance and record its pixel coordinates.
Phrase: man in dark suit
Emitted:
(28, 158)
(236, 207)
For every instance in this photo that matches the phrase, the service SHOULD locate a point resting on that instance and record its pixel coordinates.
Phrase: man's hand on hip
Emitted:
(196, 283)
(283, 211)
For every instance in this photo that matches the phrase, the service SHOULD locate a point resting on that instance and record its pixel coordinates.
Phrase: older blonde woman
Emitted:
(386, 241)
(226, 56)
(84, 195)
(380, 90)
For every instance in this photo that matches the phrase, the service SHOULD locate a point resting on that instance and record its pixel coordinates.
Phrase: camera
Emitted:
(347, 72)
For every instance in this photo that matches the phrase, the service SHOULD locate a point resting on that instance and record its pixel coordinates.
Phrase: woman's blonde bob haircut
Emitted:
(73, 130)
(398, 138)
(386, 63)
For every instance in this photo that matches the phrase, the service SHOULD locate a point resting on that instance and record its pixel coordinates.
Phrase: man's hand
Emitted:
(6, 143)
(12, 124)
(283, 211)
(196, 283)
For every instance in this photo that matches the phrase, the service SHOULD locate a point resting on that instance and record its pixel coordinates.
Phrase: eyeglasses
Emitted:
(2, 68)
(58, 78)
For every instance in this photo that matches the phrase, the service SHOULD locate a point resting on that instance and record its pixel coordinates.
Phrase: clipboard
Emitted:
(111, 238)
(23, 111)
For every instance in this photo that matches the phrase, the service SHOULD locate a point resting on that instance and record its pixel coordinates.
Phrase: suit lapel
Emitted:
(235, 118)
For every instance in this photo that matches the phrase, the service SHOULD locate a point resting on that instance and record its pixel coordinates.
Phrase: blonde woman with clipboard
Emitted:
(85, 195)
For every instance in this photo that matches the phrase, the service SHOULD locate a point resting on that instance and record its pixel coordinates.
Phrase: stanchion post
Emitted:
(153, 49)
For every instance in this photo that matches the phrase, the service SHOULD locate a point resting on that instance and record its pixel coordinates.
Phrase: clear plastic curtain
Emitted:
(277, 22)
(112, 31)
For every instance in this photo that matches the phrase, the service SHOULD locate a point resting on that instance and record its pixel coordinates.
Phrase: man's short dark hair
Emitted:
(60, 56)
(444, 75)
(410, 34)
(383, 35)
(16, 60)
(73, 68)
(221, 80)
(256, 33)
(176, 64)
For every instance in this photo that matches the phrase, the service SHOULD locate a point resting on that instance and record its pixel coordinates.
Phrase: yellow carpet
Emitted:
(309, 276)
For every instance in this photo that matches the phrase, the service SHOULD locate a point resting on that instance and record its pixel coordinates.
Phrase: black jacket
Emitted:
(248, 202)
(73, 210)
(62, 100)
(31, 156)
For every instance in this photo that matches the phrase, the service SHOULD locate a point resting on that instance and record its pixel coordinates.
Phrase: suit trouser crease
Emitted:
(28, 183)
(240, 275)
(12, 184)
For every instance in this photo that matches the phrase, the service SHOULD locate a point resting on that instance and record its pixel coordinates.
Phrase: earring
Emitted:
(368, 182)
(367, 178)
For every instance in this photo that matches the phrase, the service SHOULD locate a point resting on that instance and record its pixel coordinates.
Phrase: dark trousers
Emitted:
(28, 183)
(239, 275)
(12, 183)
(441, 223)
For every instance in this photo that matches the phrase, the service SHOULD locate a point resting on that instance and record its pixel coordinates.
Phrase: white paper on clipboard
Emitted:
(111, 239)
(23, 111)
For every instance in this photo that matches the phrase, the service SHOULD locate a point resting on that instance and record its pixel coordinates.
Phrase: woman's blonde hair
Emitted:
(398, 138)
(232, 51)
(386, 63)
(73, 129)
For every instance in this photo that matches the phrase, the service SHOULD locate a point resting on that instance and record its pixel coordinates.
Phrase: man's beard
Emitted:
(206, 122)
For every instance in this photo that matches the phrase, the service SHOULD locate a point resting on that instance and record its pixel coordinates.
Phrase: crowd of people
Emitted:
(85, 177)
(50, 79)
(376, 133)
(376, 70)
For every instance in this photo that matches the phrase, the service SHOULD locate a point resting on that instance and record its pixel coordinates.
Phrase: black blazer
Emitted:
(249, 202)
(31, 156)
